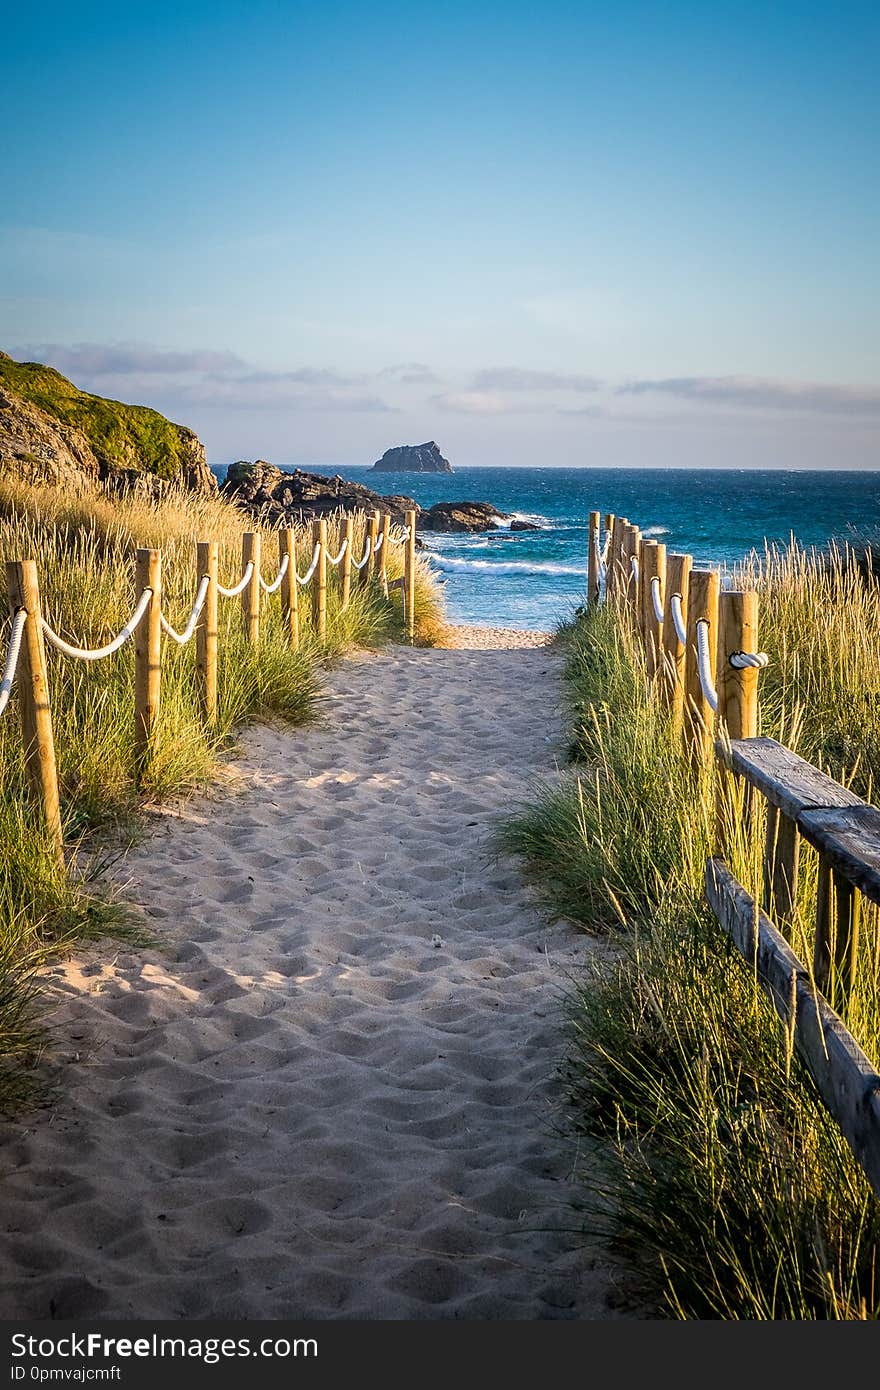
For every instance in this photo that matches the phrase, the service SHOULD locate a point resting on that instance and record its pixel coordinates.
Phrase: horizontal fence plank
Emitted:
(847, 1082)
(788, 781)
(849, 838)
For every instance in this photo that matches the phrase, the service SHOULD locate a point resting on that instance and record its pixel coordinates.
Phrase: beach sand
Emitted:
(330, 1090)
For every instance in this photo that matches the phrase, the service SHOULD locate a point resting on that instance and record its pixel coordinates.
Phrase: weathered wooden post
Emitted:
(631, 539)
(372, 566)
(737, 690)
(593, 560)
(410, 575)
(346, 561)
(699, 717)
(652, 565)
(33, 698)
(147, 656)
(614, 562)
(382, 571)
(678, 572)
(319, 581)
(250, 597)
(207, 566)
(835, 950)
(289, 586)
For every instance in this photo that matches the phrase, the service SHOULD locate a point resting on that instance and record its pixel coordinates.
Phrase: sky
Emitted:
(609, 234)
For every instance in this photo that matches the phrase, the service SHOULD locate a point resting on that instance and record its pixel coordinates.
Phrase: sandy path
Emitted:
(331, 1093)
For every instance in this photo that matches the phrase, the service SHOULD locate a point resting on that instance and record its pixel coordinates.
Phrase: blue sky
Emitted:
(619, 233)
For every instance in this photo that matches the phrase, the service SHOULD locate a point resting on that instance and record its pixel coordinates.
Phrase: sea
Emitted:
(533, 579)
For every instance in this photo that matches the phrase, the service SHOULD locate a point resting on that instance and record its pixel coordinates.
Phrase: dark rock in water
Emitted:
(282, 499)
(413, 458)
(524, 526)
(460, 516)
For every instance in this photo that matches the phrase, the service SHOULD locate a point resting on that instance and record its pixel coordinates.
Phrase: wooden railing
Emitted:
(720, 712)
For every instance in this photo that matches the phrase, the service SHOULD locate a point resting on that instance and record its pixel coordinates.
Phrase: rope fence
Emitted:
(703, 658)
(25, 668)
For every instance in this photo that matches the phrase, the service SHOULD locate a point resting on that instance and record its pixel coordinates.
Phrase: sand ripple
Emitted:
(331, 1092)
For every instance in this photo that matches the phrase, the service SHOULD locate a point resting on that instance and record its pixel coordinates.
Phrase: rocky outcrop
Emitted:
(460, 516)
(517, 525)
(37, 448)
(279, 498)
(413, 458)
(52, 431)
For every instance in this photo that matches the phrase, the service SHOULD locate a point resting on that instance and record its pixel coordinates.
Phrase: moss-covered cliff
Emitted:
(45, 419)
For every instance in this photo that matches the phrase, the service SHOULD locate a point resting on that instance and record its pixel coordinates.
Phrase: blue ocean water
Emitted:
(531, 579)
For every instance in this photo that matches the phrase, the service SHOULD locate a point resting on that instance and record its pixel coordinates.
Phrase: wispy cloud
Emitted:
(201, 377)
(470, 403)
(763, 393)
(123, 359)
(411, 374)
(526, 379)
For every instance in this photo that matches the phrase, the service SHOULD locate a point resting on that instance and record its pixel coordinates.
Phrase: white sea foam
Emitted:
(449, 562)
(656, 531)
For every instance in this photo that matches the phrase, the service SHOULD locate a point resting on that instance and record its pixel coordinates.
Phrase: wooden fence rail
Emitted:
(802, 805)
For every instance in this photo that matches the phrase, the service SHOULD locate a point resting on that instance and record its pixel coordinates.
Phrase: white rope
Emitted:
(183, 637)
(655, 598)
(12, 653)
(710, 694)
(304, 578)
(359, 564)
(378, 546)
(98, 653)
(334, 559)
(276, 582)
(241, 585)
(605, 549)
(635, 568)
(741, 661)
(600, 563)
(402, 539)
(678, 619)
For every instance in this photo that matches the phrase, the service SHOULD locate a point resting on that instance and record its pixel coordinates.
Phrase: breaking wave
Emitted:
(448, 562)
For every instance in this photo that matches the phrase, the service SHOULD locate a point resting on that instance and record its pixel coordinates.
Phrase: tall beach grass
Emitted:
(84, 544)
(724, 1186)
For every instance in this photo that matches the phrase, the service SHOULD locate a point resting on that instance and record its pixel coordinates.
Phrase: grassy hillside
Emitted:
(122, 436)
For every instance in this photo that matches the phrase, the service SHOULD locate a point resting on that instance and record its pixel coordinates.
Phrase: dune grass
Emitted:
(724, 1185)
(84, 546)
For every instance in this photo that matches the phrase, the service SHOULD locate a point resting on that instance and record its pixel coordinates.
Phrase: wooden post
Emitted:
(838, 914)
(652, 565)
(593, 560)
(781, 855)
(372, 566)
(631, 539)
(250, 597)
(33, 698)
(319, 581)
(615, 558)
(147, 656)
(346, 560)
(737, 687)
(678, 573)
(410, 575)
(208, 560)
(699, 720)
(383, 552)
(737, 692)
(289, 586)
